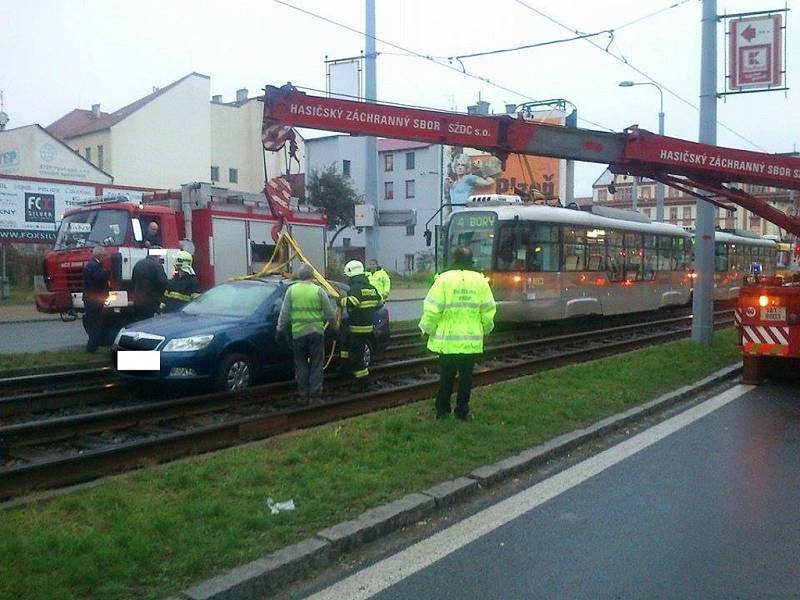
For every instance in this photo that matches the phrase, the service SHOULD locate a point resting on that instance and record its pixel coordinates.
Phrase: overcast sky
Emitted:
(57, 55)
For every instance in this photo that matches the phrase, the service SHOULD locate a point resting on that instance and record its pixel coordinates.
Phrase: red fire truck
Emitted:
(769, 310)
(228, 233)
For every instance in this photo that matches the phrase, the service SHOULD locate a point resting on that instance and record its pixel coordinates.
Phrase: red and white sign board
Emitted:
(755, 52)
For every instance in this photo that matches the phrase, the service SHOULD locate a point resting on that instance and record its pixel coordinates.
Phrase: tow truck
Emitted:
(768, 310)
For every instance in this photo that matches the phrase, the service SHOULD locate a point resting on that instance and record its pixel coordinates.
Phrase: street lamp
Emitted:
(659, 185)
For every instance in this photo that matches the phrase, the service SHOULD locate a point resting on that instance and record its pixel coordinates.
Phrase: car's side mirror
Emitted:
(428, 237)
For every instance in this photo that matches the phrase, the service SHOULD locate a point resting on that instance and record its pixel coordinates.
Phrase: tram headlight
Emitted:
(763, 300)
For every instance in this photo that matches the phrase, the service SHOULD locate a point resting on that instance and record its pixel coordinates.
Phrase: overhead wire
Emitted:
(435, 60)
(627, 63)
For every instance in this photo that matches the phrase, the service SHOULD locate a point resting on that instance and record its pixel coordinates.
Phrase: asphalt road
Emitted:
(704, 505)
(36, 336)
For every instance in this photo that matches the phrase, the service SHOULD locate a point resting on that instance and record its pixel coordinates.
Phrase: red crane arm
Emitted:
(635, 151)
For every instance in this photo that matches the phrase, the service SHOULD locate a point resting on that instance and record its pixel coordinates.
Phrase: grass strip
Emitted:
(154, 532)
(52, 358)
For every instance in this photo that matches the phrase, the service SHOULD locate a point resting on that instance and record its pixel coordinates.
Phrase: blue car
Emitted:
(225, 338)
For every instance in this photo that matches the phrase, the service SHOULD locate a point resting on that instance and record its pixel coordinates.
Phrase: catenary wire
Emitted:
(430, 58)
(627, 63)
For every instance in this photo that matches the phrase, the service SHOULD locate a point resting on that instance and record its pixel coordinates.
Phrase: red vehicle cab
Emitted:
(768, 317)
(118, 226)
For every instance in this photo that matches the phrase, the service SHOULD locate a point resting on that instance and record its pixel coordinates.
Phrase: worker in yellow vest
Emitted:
(458, 313)
(379, 278)
(307, 307)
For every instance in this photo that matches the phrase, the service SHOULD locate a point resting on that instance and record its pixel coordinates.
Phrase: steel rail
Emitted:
(168, 445)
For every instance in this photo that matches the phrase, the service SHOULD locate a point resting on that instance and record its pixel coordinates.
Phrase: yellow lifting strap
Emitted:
(287, 250)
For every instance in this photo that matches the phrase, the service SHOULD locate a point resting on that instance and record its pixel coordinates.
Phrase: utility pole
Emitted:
(372, 235)
(703, 299)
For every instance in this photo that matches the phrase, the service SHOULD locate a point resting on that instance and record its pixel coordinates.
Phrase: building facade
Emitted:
(175, 135)
(681, 209)
(409, 194)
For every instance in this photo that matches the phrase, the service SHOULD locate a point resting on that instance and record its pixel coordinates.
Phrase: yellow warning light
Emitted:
(763, 300)
(517, 278)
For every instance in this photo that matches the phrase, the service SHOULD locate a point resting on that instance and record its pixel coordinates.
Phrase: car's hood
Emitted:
(179, 325)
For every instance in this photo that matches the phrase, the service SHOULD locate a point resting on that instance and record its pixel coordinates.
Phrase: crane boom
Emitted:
(634, 151)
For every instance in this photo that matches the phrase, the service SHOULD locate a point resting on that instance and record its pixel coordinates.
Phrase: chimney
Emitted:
(96, 111)
(241, 95)
(217, 98)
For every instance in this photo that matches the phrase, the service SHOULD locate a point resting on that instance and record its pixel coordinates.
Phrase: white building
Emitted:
(409, 194)
(175, 135)
(30, 151)
(681, 209)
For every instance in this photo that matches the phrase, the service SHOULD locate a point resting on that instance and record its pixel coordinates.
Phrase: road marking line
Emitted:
(381, 575)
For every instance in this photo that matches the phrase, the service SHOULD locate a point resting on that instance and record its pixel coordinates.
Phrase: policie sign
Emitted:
(755, 52)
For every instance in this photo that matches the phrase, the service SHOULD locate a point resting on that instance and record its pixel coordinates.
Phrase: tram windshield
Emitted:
(476, 230)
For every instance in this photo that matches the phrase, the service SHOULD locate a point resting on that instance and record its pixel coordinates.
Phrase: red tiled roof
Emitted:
(391, 145)
(80, 122)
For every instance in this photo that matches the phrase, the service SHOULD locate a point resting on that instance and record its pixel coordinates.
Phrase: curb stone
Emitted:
(264, 575)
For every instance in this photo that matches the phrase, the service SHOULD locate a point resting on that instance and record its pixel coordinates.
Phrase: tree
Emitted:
(331, 191)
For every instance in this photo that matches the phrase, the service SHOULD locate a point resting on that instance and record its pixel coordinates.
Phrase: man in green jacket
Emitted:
(379, 278)
(458, 313)
(307, 307)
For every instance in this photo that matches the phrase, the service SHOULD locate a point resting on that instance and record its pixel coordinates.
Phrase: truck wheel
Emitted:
(235, 372)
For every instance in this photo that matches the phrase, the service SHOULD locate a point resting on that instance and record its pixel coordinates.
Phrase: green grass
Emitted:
(19, 296)
(154, 532)
(70, 357)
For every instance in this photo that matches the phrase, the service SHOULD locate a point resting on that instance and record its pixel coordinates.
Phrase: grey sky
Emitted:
(59, 55)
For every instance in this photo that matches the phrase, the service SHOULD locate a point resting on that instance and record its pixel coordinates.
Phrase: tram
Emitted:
(548, 263)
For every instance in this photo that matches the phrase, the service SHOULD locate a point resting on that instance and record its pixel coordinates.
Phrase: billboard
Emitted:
(755, 52)
(30, 211)
(533, 178)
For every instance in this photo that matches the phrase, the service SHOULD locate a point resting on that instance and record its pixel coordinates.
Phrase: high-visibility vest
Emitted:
(381, 282)
(306, 308)
(458, 313)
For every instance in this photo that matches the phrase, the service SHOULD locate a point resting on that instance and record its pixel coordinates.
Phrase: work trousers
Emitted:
(353, 347)
(309, 362)
(93, 324)
(451, 365)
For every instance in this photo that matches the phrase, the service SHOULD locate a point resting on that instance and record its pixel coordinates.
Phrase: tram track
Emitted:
(61, 451)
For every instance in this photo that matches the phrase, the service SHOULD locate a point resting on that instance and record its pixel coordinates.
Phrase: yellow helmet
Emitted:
(183, 262)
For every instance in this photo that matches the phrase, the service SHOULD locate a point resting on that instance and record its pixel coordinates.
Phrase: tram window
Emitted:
(721, 257)
(615, 255)
(633, 256)
(574, 248)
(596, 250)
(735, 257)
(664, 261)
(650, 256)
(681, 253)
(528, 247)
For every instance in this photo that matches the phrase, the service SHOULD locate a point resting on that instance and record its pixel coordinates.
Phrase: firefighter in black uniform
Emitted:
(183, 287)
(361, 302)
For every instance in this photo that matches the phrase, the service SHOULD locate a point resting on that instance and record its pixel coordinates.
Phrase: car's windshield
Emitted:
(232, 299)
(93, 227)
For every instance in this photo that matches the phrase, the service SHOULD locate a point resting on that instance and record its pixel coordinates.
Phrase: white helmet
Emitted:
(353, 268)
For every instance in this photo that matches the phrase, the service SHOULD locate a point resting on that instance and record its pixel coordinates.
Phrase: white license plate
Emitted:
(773, 313)
(138, 360)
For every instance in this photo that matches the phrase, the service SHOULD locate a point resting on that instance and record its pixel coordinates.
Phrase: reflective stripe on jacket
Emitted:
(381, 282)
(362, 301)
(180, 291)
(458, 313)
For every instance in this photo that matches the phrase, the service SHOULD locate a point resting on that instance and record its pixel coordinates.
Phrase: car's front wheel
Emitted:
(235, 372)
